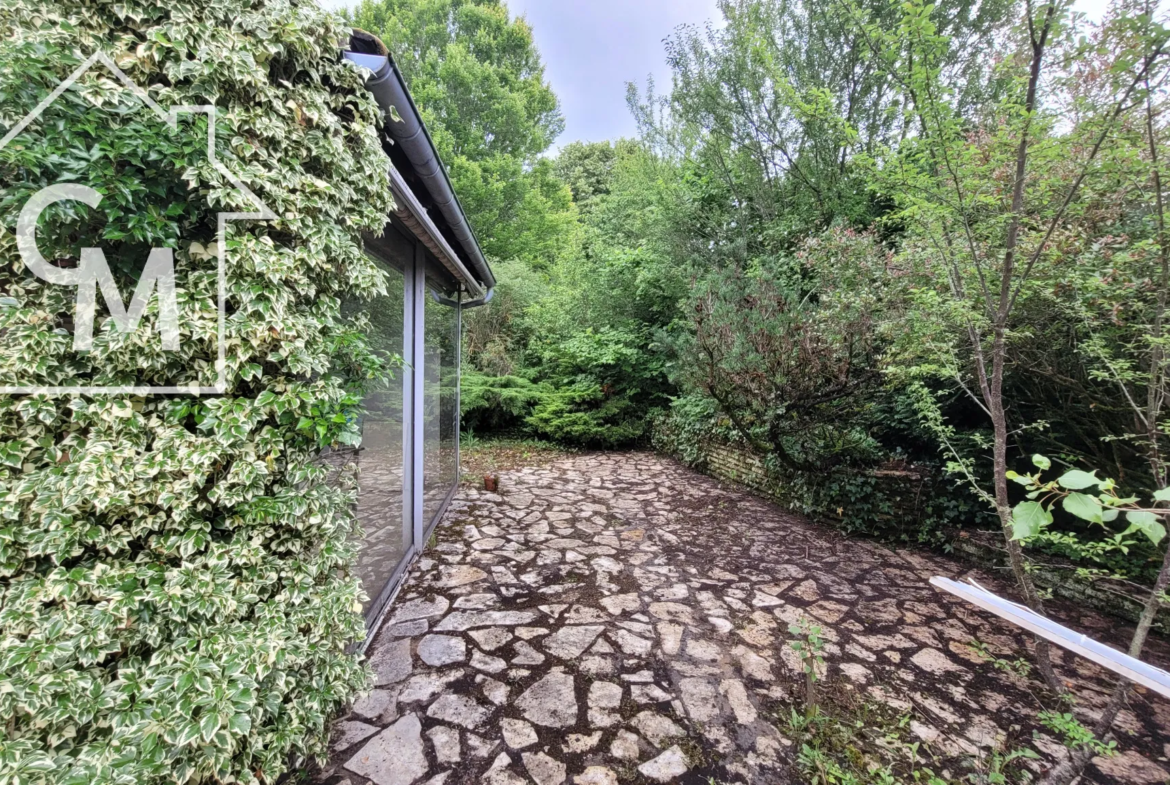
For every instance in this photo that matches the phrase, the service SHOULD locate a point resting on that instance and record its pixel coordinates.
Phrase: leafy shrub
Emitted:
(496, 403)
(176, 600)
(685, 429)
(789, 348)
(584, 414)
(853, 498)
(494, 337)
(593, 389)
(604, 382)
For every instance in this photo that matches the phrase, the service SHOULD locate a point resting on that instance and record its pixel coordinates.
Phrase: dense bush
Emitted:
(497, 403)
(593, 390)
(605, 383)
(175, 595)
(572, 351)
(495, 338)
(924, 507)
(789, 347)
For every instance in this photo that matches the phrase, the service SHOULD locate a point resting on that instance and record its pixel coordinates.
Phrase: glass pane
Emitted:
(440, 413)
(388, 534)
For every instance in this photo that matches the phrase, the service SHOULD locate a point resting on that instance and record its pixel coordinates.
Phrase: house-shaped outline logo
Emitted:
(263, 213)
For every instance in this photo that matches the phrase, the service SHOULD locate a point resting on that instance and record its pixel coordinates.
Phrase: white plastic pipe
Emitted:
(1120, 663)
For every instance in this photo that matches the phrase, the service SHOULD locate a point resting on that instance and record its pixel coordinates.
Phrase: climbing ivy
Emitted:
(175, 588)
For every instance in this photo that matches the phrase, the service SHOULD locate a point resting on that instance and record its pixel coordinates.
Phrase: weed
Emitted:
(1074, 734)
(853, 741)
(1019, 666)
(809, 647)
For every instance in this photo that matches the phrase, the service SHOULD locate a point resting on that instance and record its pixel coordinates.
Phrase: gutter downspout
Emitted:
(441, 300)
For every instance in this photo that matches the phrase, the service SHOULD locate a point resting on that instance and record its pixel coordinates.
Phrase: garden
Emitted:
(902, 270)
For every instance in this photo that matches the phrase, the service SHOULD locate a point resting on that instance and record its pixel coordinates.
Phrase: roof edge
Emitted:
(405, 126)
(415, 216)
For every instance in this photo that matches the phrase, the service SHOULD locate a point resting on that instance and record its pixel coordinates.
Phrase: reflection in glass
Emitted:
(440, 406)
(387, 534)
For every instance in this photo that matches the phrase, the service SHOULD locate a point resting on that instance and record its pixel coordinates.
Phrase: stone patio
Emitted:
(619, 618)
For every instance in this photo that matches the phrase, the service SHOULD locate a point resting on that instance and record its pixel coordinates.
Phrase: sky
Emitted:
(592, 48)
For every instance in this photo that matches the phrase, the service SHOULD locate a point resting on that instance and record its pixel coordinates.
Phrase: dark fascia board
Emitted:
(410, 132)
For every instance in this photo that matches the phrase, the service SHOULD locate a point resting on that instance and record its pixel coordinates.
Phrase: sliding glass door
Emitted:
(409, 456)
(440, 405)
(388, 535)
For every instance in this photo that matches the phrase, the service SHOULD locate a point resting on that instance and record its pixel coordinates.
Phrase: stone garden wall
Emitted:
(904, 491)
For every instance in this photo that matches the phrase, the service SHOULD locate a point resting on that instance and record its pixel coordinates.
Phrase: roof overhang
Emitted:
(426, 201)
(419, 222)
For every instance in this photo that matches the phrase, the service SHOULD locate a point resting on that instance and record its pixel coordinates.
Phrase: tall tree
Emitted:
(588, 167)
(998, 211)
(778, 102)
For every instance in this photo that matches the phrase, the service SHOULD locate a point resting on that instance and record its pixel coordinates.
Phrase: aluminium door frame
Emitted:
(416, 347)
(413, 430)
(450, 495)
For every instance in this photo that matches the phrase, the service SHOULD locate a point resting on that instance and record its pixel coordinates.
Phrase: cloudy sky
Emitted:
(592, 48)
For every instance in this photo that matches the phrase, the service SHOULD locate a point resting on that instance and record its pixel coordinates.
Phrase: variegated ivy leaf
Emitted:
(175, 568)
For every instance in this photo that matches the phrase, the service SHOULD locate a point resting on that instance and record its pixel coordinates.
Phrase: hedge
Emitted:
(176, 594)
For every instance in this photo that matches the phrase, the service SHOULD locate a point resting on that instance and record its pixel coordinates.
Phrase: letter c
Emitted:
(26, 229)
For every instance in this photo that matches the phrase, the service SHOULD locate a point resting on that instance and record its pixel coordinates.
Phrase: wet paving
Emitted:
(614, 618)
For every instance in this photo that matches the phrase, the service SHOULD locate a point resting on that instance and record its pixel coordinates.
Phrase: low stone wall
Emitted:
(740, 466)
(905, 489)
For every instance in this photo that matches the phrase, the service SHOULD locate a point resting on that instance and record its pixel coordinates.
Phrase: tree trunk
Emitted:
(993, 387)
(994, 395)
(1071, 768)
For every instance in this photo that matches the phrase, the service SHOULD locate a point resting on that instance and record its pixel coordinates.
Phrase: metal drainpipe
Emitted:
(441, 300)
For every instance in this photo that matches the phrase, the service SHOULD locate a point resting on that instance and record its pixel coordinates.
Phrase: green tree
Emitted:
(773, 107)
(588, 167)
(998, 215)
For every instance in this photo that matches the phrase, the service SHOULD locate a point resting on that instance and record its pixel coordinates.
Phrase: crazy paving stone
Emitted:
(550, 702)
(606, 615)
(395, 756)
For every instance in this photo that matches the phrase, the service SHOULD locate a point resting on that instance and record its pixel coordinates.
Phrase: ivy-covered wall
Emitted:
(175, 588)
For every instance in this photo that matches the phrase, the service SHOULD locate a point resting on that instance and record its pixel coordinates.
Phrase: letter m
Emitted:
(94, 273)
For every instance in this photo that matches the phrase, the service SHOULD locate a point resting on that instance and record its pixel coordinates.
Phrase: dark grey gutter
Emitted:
(406, 128)
(441, 300)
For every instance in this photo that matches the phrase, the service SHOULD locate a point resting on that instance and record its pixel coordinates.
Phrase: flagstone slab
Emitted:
(395, 756)
(550, 702)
